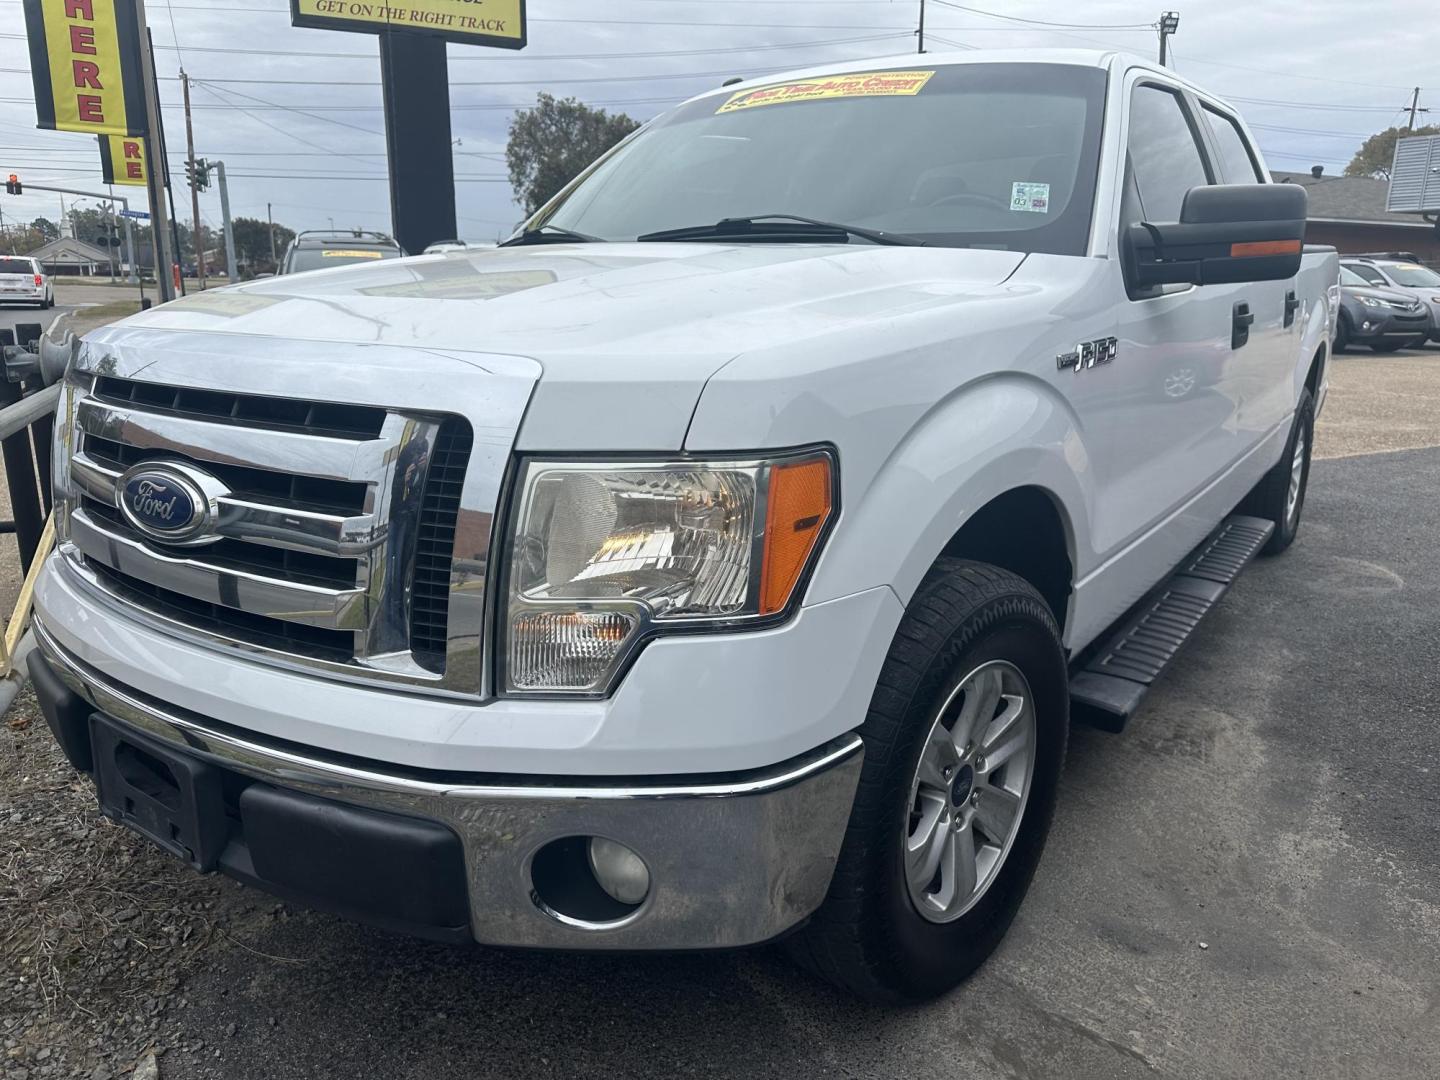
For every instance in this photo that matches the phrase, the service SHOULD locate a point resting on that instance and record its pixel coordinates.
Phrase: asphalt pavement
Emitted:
(1243, 884)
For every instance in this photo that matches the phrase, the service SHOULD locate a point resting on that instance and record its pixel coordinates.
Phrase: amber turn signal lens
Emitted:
(799, 504)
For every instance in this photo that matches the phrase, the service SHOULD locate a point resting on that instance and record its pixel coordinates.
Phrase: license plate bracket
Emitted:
(173, 800)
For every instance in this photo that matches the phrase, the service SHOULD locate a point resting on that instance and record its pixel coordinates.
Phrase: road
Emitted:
(68, 298)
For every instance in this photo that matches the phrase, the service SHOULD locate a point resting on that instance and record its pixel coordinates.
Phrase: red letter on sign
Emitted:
(132, 170)
(90, 107)
(79, 9)
(131, 149)
(87, 74)
(82, 41)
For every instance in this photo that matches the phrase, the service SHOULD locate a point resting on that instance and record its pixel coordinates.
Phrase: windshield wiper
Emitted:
(550, 234)
(780, 228)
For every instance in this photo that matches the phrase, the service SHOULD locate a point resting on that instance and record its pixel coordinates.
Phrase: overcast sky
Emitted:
(305, 132)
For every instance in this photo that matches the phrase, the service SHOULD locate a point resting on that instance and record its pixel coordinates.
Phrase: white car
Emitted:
(24, 281)
(724, 557)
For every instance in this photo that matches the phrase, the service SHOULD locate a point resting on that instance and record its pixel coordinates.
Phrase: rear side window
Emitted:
(1237, 164)
(1165, 159)
(1369, 273)
(17, 266)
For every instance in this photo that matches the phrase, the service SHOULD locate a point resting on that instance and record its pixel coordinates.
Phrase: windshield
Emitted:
(1414, 277)
(328, 258)
(970, 155)
(16, 266)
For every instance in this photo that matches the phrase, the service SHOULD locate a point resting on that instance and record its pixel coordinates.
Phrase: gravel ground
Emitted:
(1235, 813)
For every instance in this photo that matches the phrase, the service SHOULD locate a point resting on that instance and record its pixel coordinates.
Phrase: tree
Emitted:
(1377, 154)
(552, 143)
(252, 243)
(46, 228)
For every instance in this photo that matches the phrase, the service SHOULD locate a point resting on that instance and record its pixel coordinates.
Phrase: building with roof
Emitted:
(1348, 213)
(74, 257)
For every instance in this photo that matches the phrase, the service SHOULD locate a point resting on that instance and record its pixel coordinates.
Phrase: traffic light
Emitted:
(13, 185)
(197, 172)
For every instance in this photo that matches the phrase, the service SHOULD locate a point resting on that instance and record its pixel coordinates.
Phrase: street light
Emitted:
(1169, 23)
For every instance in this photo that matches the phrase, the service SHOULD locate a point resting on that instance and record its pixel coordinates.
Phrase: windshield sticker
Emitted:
(1030, 197)
(337, 253)
(867, 84)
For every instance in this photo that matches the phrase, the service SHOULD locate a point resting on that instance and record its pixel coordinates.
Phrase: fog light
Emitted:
(620, 872)
(1367, 325)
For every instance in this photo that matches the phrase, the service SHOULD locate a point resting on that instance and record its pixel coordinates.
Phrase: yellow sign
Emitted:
(85, 62)
(864, 84)
(475, 22)
(122, 160)
(337, 253)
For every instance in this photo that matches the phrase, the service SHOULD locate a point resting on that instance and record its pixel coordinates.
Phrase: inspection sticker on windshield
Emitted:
(336, 253)
(865, 84)
(1029, 197)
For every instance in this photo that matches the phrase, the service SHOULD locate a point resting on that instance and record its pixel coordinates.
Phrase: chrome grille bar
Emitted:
(288, 601)
(229, 444)
(242, 519)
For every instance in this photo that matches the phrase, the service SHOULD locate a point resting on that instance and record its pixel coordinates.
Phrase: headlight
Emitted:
(605, 555)
(1370, 301)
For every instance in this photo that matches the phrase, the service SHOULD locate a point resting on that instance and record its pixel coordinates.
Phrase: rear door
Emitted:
(17, 276)
(1265, 366)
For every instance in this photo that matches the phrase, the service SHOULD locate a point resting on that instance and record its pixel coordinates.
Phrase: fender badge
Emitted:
(1088, 354)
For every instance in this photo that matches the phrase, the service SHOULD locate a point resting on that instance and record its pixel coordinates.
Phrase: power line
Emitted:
(1044, 23)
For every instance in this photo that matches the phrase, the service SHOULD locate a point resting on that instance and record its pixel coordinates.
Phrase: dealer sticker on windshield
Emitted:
(864, 84)
(339, 253)
(1031, 198)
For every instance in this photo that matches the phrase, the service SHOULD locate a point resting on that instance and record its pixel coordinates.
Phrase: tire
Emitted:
(1270, 498)
(869, 936)
(1342, 335)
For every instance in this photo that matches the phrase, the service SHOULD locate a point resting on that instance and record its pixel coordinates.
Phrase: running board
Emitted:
(1108, 690)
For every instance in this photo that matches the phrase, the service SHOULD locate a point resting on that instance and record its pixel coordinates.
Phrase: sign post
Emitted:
(415, 81)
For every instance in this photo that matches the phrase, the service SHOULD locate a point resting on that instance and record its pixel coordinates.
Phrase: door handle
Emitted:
(1241, 319)
(1292, 305)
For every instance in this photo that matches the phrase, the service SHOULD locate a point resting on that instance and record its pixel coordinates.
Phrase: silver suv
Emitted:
(1401, 271)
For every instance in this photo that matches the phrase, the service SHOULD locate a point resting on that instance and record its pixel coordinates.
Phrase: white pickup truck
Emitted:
(723, 558)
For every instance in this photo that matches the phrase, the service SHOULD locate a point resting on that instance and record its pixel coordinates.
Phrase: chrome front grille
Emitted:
(333, 541)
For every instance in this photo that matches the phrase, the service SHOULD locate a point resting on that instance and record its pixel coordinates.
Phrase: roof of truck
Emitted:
(1096, 58)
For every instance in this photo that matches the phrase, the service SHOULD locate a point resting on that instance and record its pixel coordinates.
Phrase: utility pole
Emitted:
(1169, 23)
(1414, 108)
(921, 31)
(155, 155)
(230, 269)
(112, 234)
(193, 171)
(270, 217)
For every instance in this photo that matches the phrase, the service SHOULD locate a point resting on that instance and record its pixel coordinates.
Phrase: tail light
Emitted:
(39, 281)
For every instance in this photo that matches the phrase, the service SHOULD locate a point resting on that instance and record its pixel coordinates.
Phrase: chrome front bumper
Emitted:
(734, 860)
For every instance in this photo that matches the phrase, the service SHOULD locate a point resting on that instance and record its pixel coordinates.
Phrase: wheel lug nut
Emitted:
(980, 763)
(975, 797)
(949, 771)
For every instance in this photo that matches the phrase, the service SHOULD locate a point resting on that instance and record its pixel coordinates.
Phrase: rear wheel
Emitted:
(1280, 495)
(964, 743)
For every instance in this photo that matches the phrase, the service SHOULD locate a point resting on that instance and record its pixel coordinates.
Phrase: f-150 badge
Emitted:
(1087, 354)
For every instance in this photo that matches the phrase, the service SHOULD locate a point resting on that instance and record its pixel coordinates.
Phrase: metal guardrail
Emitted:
(30, 372)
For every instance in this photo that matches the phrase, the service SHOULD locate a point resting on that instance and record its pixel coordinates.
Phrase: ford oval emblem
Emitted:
(163, 502)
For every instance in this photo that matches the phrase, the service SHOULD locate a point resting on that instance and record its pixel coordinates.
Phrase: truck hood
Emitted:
(626, 335)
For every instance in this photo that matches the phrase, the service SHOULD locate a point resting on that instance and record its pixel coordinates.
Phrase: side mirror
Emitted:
(1226, 234)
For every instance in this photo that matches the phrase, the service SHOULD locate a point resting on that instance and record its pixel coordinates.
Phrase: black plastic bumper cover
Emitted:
(401, 873)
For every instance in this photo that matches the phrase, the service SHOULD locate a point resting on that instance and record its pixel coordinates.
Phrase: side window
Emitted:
(1369, 273)
(1165, 159)
(1237, 164)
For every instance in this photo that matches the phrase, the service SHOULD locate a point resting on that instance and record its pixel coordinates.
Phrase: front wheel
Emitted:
(964, 743)
(1342, 335)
